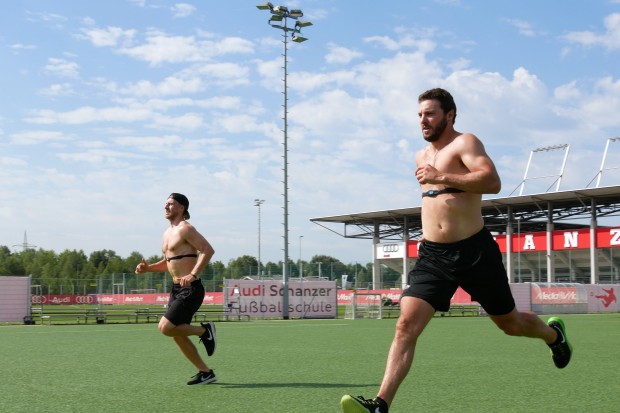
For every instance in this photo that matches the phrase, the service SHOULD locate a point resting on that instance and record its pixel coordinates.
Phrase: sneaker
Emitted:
(208, 337)
(203, 378)
(561, 350)
(352, 404)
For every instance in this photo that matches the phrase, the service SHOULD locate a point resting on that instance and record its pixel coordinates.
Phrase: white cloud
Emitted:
(186, 122)
(610, 39)
(20, 46)
(61, 68)
(88, 114)
(11, 162)
(162, 48)
(183, 9)
(57, 89)
(108, 37)
(170, 86)
(525, 28)
(38, 137)
(340, 55)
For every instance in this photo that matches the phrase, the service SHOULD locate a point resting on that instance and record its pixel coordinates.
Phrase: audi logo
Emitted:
(84, 299)
(38, 299)
(390, 248)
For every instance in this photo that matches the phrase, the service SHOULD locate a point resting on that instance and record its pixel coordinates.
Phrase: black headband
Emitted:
(181, 199)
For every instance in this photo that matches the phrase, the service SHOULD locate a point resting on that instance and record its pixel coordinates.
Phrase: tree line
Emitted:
(54, 269)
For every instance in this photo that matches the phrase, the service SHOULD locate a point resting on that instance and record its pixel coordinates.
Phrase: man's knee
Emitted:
(166, 327)
(513, 324)
(511, 329)
(408, 329)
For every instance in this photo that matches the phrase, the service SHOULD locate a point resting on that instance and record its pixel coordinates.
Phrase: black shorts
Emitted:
(474, 264)
(184, 302)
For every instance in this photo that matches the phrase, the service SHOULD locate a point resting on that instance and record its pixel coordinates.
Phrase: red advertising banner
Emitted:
(537, 241)
(608, 237)
(345, 296)
(116, 299)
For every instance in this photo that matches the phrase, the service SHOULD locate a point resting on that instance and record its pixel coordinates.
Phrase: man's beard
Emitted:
(437, 131)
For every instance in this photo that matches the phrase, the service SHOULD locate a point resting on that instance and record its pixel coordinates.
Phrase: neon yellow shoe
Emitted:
(561, 350)
(352, 404)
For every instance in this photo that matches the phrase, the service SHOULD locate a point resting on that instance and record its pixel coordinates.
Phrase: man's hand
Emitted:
(427, 174)
(186, 281)
(143, 266)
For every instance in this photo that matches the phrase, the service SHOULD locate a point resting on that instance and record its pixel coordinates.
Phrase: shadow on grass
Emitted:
(289, 385)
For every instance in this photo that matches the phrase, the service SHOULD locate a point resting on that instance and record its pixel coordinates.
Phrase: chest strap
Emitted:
(178, 257)
(434, 192)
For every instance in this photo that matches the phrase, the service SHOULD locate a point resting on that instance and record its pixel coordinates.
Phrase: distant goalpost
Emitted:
(364, 305)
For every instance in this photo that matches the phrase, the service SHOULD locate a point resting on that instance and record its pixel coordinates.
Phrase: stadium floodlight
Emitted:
(265, 6)
(276, 18)
(258, 203)
(281, 10)
(282, 14)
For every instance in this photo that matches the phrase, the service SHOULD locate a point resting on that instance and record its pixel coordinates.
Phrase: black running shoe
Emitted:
(352, 404)
(208, 337)
(561, 350)
(203, 378)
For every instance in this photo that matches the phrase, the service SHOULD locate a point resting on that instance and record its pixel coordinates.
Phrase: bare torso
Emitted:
(448, 217)
(174, 244)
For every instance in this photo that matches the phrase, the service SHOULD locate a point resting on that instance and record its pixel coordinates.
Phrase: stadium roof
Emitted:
(533, 212)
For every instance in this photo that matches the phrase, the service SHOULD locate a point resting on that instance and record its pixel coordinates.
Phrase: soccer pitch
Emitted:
(463, 364)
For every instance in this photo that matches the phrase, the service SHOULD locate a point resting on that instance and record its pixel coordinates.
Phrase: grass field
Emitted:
(463, 364)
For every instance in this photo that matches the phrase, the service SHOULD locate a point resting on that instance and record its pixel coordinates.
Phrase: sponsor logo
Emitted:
(390, 248)
(39, 299)
(555, 296)
(608, 298)
(84, 299)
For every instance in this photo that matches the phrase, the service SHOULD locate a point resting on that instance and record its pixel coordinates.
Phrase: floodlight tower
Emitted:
(258, 203)
(279, 20)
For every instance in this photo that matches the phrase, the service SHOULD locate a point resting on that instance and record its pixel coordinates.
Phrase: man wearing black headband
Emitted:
(186, 254)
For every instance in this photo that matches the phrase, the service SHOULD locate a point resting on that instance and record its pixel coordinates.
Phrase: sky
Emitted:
(108, 107)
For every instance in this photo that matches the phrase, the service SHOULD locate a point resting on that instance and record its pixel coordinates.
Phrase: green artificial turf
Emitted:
(462, 364)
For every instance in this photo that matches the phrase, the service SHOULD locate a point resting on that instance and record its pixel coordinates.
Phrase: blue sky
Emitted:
(109, 106)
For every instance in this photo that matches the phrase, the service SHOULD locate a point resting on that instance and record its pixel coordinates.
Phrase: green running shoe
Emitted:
(352, 404)
(561, 350)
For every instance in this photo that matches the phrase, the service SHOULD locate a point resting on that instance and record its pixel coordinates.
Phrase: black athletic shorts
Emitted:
(184, 302)
(475, 264)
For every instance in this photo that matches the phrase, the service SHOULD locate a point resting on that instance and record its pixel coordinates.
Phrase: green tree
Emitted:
(215, 271)
(100, 259)
(242, 266)
(10, 264)
(330, 267)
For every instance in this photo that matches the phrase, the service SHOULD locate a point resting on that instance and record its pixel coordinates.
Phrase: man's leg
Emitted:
(527, 324)
(181, 334)
(190, 352)
(415, 315)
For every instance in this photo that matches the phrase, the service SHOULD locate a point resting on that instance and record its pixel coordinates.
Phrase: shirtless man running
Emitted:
(456, 249)
(186, 254)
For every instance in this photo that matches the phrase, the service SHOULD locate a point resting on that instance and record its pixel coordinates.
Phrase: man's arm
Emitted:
(206, 251)
(143, 266)
(481, 178)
